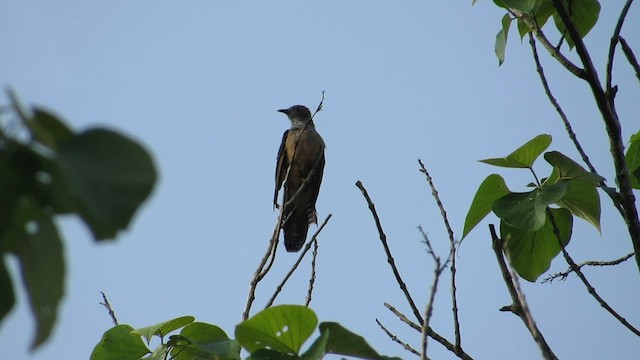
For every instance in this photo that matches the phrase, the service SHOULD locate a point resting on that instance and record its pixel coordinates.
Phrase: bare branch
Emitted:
(106, 304)
(574, 267)
(395, 339)
(612, 48)
(453, 244)
(630, 56)
(390, 259)
(312, 279)
(519, 306)
(439, 268)
(434, 335)
(563, 275)
(295, 265)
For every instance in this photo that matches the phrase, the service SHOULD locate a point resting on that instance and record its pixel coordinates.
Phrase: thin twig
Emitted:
(574, 267)
(565, 120)
(612, 48)
(312, 279)
(563, 275)
(295, 265)
(434, 335)
(106, 304)
(519, 306)
(452, 254)
(630, 56)
(394, 338)
(614, 131)
(390, 259)
(438, 269)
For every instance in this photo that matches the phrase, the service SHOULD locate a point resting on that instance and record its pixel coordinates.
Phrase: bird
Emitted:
(300, 166)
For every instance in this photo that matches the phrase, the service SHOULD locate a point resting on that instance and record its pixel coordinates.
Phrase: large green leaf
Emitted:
(8, 298)
(582, 200)
(163, 328)
(525, 155)
(281, 328)
(583, 14)
(118, 343)
(343, 342)
(206, 341)
(37, 246)
(108, 176)
(567, 169)
(632, 158)
(531, 253)
(501, 38)
(491, 189)
(526, 211)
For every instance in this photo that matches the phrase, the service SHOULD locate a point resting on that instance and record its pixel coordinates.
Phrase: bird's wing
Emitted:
(314, 187)
(281, 167)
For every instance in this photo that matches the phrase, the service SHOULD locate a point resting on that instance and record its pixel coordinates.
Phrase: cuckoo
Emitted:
(300, 166)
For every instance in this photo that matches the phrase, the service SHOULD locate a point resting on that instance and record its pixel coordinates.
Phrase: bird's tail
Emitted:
(295, 231)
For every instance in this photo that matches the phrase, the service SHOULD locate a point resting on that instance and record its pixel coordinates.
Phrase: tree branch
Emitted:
(563, 275)
(395, 339)
(574, 267)
(614, 131)
(519, 306)
(452, 254)
(630, 56)
(612, 48)
(390, 259)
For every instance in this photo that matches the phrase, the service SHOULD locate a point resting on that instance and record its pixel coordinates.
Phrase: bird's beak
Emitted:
(284, 111)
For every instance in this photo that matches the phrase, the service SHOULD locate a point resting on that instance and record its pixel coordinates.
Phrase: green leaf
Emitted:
(491, 189)
(501, 38)
(583, 14)
(523, 5)
(267, 354)
(108, 176)
(582, 200)
(632, 159)
(526, 211)
(48, 129)
(281, 328)
(318, 349)
(343, 342)
(525, 155)
(40, 256)
(8, 298)
(119, 343)
(163, 328)
(567, 169)
(206, 341)
(531, 253)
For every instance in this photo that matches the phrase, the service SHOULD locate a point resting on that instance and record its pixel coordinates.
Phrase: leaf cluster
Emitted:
(48, 169)
(275, 333)
(535, 224)
(532, 15)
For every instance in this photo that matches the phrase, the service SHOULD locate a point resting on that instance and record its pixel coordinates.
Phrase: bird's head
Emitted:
(297, 113)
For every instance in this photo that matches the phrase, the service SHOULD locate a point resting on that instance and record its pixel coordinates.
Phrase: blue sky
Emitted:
(199, 84)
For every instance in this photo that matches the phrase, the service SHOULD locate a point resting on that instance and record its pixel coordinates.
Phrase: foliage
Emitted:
(275, 333)
(534, 231)
(48, 169)
(532, 15)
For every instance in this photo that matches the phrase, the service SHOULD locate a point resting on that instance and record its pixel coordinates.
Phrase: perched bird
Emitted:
(301, 154)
